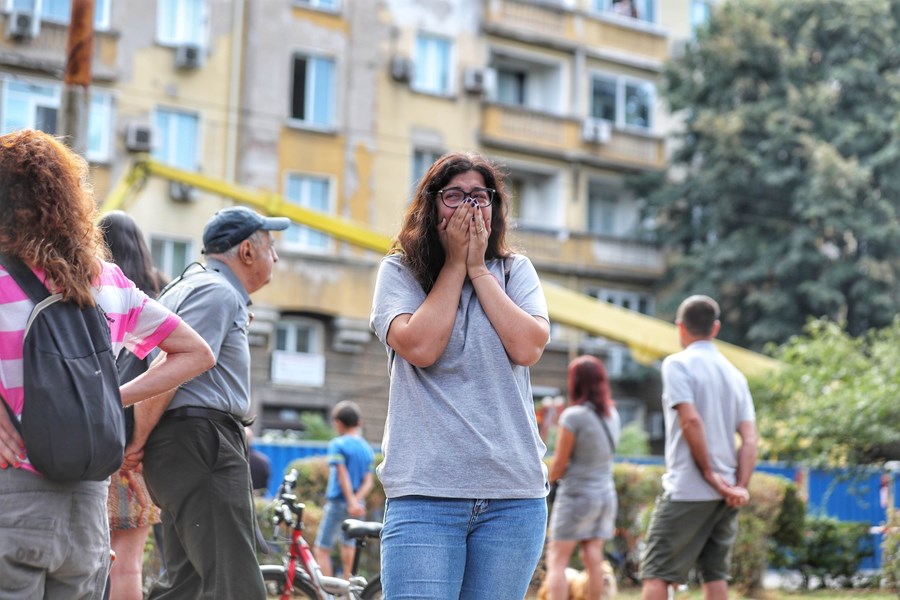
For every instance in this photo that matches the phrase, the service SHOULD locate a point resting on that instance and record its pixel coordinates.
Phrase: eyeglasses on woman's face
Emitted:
(453, 197)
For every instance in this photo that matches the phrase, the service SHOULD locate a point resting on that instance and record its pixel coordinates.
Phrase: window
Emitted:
(309, 192)
(59, 11)
(700, 10)
(534, 200)
(171, 256)
(529, 81)
(642, 10)
(36, 105)
(625, 102)
(181, 22)
(313, 98)
(422, 159)
(321, 4)
(432, 66)
(636, 301)
(177, 138)
(611, 212)
(511, 87)
(298, 357)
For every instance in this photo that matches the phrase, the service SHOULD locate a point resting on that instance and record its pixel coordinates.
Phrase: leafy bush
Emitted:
(832, 551)
(890, 553)
(634, 440)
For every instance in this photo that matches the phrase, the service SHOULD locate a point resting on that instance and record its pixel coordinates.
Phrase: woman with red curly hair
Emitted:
(55, 541)
(462, 318)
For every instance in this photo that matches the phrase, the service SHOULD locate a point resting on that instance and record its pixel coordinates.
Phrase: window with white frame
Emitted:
(180, 22)
(313, 93)
(642, 10)
(298, 358)
(320, 4)
(313, 192)
(630, 300)
(422, 160)
(623, 101)
(59, 11)
(177, 138)
(527, 82)
(432, 64)
(534, 200)
(33, 105)
(610, 212)
(171, 255)
(700, 11)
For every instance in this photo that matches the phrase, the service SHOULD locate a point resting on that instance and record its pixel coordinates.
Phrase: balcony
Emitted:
(543, 134)
(46, 52)
(586, 254)
(559, 27)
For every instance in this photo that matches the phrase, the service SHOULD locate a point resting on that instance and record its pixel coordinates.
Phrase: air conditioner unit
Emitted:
(139, 137)
(182, 192)
(401, 69)
(596, 131)
(22, 26)
(188, 56)
(474, 80)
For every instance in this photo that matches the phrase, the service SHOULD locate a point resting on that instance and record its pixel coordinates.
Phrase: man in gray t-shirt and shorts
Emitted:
(706, 401)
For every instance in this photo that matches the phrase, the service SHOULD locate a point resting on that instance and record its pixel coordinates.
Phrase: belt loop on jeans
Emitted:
(200, 412)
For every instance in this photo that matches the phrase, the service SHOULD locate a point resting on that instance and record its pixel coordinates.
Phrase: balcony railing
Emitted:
(536, 132)
(588, 254)
(564, 27)
(47, 50)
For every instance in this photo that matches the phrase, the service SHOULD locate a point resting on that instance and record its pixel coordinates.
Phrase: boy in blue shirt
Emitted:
(351, 460)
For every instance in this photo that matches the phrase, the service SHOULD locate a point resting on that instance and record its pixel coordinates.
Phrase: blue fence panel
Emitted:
(282, 455)
(850, 496)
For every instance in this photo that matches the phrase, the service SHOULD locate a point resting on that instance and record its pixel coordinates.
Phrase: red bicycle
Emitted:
(300, 575)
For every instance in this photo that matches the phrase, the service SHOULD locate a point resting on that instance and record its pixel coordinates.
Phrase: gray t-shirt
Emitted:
(701, 376)
(214, 303)
(465, 426)
(590, 467)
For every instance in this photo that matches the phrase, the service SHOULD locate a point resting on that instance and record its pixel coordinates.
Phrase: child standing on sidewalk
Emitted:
(351, 461)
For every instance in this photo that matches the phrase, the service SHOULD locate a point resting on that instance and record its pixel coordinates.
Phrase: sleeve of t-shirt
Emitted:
(747, 412)
(524, 288)
(569, 420)
(677, 387)
(335, 453)
(396, 293)
(210, 310)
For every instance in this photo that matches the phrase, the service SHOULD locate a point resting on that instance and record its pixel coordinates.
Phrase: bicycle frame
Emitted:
(290, 512)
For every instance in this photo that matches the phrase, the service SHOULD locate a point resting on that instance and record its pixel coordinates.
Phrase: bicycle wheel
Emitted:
(275, 580)
(372, 591)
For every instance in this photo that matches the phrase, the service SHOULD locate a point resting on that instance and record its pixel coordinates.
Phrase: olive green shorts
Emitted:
(683, 535)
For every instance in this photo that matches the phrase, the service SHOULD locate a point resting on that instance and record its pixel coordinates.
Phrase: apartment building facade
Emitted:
(340, 106)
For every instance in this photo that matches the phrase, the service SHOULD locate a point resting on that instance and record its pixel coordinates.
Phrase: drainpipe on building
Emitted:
(234, 90)
(76, 99)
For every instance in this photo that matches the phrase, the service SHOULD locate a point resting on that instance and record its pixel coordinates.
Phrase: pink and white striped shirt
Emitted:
(135, 321)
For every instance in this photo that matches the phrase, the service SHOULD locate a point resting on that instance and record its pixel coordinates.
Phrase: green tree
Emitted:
(783, 194)
(835, 400)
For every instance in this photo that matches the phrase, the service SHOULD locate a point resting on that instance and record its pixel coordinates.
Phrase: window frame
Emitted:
(303, 243)
(318, 5)
(165, 264)
(307, 121)
(101, 154)
(313, 360)
(622, 82)
(182, 36)
(419, 84)
(157, 137)
(101, 13)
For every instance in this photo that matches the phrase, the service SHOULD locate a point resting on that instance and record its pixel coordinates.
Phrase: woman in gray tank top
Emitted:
(584, 511)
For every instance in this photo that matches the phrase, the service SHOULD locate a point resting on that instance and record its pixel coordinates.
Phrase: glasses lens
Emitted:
(452, 197)
(482, 196)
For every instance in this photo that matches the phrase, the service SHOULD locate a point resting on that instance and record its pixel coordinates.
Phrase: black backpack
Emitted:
(72, 420)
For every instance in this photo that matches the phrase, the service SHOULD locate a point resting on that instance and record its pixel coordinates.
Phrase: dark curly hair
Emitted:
(589, 384)
(47, 212)
(418, 240)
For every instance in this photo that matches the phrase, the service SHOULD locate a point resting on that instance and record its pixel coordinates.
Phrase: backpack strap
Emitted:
(25, 277)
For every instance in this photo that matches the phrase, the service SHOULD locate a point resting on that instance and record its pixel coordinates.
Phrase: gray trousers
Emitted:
(54, 538)
(197, 473)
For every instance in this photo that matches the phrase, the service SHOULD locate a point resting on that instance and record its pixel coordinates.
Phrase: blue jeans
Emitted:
(445, 548)
(332, 517)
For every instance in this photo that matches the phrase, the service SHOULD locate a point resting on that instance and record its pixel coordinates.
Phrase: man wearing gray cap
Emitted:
(192, 438)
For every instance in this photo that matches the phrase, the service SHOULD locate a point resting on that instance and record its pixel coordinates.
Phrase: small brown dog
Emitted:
(578, 582)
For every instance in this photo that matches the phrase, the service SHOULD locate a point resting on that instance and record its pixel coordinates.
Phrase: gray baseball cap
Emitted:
(231, 226)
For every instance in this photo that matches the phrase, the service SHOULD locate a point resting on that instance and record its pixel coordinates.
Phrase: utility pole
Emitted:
(76, 99)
